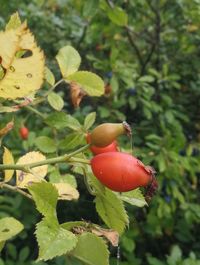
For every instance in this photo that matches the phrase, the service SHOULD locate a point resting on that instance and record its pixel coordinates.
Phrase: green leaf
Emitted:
(73, 123)
(111, 210)
(146, 79)
(23, 254)
(90, 8)
(118, 16)
(134, 197)
(14, 22)
(56, 177)
(45, 196)
(53, 241)
(89, 120)
(70, 225)
(91, 250)
(154, 261)
(55, 101)
(9, 227)
(69, 60)
(45, 144)
(70, 179)
(175, 255)
(57, 120)
(72, 140)
(161, 163)
(91, 83)
(49, 76)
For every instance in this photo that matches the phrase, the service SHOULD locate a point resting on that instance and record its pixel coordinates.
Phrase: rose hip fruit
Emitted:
(121, 172)
(113, 147)
(106, 133)
(24, 132)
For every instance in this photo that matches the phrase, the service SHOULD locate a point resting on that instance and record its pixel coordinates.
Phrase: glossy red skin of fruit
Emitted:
(113, 147)
(24, 132)
(120, 171)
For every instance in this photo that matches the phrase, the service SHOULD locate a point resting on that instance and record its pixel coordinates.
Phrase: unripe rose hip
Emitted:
(113, 147)
(106, 133)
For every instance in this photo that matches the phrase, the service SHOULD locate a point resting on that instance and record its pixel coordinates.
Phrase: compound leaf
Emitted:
(91, 250)
(9, 227)
(53, 241)
(69, 60)
(45, 196)
(111, 210)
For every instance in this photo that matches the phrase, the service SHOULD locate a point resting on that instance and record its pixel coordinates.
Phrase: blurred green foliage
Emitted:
(152, 66)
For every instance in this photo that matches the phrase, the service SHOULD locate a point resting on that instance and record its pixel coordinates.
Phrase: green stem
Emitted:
(35, 111)
(15, 189)
(55, 160)
(39, 100)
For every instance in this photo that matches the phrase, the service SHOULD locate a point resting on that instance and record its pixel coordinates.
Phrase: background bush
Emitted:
(152, 69)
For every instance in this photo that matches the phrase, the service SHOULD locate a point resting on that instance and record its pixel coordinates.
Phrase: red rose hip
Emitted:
(24, 132)
(120, 171)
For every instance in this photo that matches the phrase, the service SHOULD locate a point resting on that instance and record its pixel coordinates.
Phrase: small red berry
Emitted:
(24, 132)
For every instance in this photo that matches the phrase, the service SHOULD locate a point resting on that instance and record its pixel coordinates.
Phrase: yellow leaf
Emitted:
(14, 22)
(8, 159)
(66, 191)
(37, 174)
(192, 28)
(23, 75)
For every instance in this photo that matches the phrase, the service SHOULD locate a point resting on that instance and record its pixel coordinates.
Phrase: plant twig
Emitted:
(55, 160)
(16, 189)
(35, 111)
(134, 45)
(148, 58)
(39, 100)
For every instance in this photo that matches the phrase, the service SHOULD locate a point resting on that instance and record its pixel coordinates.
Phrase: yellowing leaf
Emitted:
(66, 191)
(8, 159)
(37, 173)
(14, 22)
(23, 75)
(9, 227)
(192, 28)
